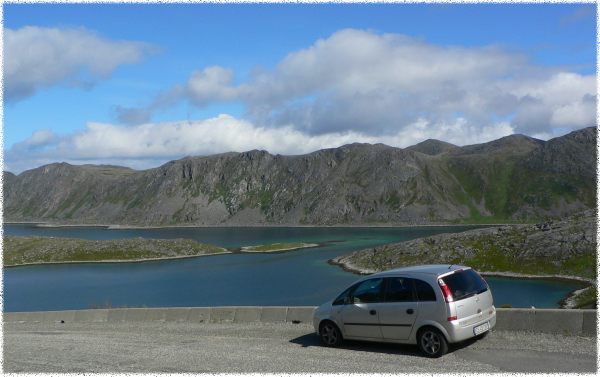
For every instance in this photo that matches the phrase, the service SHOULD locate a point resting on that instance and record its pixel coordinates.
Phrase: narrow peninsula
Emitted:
(41, 250)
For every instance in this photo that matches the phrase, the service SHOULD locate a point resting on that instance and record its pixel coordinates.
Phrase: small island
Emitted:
(276, 247)
(41, 250)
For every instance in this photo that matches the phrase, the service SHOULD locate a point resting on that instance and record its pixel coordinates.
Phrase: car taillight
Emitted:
(452, 318)
(446, 291)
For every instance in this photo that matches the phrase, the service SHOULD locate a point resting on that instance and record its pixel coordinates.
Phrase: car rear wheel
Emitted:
(330, 334)
(432, 342)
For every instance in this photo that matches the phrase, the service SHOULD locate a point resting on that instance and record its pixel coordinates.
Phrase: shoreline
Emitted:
(119, 260)
(569, 301)
(226, 251)
(143, 227)
(580, 279)
(349, 267)
(305, 245)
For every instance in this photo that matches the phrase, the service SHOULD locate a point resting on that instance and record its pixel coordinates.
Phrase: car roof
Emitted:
(430, 269)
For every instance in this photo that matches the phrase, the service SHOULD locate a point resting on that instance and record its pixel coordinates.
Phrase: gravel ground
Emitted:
(277, 348)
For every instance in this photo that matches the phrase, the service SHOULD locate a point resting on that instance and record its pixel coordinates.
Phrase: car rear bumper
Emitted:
(458, 332)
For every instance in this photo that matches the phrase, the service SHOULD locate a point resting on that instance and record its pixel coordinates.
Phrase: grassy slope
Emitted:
(587, 299)
(569, 248)
(504, 186)
(489, 253)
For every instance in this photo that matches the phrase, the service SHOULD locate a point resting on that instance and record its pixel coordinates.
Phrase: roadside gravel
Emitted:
(276, 348)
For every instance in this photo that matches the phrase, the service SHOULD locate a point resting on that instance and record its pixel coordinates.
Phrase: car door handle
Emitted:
(409, 311)
(373, 312)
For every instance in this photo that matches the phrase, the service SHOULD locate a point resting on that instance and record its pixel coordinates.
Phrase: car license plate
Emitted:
(481, 328)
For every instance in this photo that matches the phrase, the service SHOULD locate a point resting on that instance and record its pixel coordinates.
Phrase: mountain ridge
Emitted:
(512, 179)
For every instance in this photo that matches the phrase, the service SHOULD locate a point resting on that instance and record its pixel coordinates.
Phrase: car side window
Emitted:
(341, 299)
(367, 291)
(399, 289)
(424, 291)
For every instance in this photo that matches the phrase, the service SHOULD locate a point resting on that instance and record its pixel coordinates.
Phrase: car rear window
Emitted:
(464, 284)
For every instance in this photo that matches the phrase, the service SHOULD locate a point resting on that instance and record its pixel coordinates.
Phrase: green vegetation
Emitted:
(492, 257)
(38, 250)
(488, 182)
(503, 184)
(278, 247)
(487, 254)
(259, 198)
(136, 202)
(392, 200)
(587, 299)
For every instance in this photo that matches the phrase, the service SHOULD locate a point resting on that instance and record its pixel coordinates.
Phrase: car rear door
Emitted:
(399, 309)
(472, 298)
(360, 317)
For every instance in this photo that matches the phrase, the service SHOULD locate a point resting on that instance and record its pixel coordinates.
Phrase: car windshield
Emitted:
(464, 284)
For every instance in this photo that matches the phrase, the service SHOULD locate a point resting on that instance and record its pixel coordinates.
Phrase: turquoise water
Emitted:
(301, 277)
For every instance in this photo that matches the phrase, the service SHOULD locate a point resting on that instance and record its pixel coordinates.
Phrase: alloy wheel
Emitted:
(431, 343)
(329, 334)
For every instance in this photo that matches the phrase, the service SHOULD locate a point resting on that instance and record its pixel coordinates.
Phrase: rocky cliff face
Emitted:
(511, 179)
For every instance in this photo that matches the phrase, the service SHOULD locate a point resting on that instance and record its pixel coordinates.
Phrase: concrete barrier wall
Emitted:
(554, 321)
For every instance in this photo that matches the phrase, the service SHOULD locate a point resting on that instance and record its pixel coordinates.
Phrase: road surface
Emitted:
(277, 348)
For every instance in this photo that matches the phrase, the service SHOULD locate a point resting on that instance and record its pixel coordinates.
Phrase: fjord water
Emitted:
(301, 277)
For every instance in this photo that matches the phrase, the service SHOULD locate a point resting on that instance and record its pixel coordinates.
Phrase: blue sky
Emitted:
(542, 49)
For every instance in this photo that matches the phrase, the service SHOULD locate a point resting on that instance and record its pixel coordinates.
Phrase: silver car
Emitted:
(430, 306)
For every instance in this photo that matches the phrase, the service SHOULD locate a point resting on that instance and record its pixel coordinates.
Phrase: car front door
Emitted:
(398, 311)
(360, 316)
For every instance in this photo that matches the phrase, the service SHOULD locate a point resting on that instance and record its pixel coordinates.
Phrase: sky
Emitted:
(140, 84)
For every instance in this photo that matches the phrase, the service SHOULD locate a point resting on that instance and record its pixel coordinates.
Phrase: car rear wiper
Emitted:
(467, 295)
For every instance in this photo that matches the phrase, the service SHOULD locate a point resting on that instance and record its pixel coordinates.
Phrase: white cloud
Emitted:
(149, 145)
(576, 112)
(355, 86)
(212, 84)
(41, 138)
(38, 57)
(382, 83)
(563, 100)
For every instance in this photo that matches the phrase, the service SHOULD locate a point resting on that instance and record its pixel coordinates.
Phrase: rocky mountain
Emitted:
(516, 178)
(432, 147)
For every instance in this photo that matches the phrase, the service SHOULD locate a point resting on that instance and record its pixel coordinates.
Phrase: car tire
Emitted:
(330, 335)
(432, 342)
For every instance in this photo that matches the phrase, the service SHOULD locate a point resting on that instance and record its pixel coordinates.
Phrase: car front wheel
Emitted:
(330, 334)
(432, 342)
